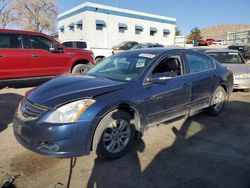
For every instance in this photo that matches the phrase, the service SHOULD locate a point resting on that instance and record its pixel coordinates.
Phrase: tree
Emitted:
(38, 15)
(6, 14)
(195, 35)
(177, 31)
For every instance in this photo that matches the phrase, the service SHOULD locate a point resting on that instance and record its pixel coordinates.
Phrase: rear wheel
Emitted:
(218, 101)
(114, 135)
(80, 69)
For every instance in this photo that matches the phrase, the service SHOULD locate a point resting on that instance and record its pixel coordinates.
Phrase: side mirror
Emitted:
(55, 48)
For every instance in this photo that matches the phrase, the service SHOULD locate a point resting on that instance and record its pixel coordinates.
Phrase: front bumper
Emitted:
(69, 140)
(241, 83)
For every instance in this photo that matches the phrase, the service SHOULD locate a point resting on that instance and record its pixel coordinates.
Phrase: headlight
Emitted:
(70, 112)
(245, 75)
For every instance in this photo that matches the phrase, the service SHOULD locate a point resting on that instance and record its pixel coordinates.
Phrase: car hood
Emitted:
(238, 68)
(64, 89)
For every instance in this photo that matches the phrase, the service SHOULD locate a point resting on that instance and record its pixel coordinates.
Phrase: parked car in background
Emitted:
(219, 42)
(118, 98)
(206, 42)
(124, 46)
(25, 54)
(147, 45)
(99, 53)
(242, 48)
(203, 43)
(233, 60)
(210, 41)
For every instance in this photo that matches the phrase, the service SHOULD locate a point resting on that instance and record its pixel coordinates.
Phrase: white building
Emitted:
(105, 26)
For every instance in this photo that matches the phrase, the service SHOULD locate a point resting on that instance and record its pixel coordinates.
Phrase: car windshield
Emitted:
(122, 67)
(227, 57)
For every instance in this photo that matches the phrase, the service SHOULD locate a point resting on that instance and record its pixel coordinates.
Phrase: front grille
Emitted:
(31, 111)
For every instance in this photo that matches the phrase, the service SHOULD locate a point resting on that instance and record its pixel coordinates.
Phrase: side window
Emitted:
(199, 63)
(170, 66)
(10, 41)
(81, 45)
(68, 44)
(39, 42)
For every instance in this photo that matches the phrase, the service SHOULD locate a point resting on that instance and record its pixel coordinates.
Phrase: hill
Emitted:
(220, 31)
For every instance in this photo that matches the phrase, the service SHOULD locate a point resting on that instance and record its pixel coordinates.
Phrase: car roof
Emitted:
(155, 51)
(222, 50)
(73, 41)
(20, 31)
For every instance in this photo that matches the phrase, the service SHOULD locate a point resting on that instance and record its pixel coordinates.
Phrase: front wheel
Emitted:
(80, 69)
(218, 101)
(114, 135)
(99, 59)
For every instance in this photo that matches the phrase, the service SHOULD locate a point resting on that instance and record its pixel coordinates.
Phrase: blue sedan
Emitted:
(117, 99)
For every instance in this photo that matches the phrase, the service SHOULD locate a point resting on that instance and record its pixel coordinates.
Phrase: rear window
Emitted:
(81, 45)
(10, 41)
(227, 57)
(68, 44)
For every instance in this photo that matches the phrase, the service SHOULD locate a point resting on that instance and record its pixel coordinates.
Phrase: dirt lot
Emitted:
(202, 152)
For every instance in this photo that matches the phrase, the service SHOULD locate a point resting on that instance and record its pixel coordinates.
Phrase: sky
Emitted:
(189, 13)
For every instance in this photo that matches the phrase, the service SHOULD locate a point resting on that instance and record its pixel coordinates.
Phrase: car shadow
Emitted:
(208, 152)
(115, 173)
(8, 104)
(23, 83)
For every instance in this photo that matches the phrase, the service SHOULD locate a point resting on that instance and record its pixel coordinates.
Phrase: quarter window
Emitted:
(10, 41)
(199, 63)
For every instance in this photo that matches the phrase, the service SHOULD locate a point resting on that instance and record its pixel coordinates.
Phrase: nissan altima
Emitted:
(117, 99)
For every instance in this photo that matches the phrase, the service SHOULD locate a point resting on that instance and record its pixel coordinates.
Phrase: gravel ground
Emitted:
(201, 152)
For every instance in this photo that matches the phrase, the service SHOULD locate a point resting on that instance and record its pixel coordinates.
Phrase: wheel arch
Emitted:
(126, 107)
(80, 61)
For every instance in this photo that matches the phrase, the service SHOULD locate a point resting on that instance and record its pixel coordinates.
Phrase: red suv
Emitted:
(25, 54)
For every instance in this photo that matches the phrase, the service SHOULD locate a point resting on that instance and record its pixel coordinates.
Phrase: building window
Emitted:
(138, 29)
(122, 27)
(153, 31)
(79, 24)
(166, 32)
(61, 29)
(100, 24)
(71, 26)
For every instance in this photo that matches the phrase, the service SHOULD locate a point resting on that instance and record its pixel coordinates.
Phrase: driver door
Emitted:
(170, 96)
(43, 61)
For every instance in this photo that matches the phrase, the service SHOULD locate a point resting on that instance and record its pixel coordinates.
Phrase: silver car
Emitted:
(234, 61)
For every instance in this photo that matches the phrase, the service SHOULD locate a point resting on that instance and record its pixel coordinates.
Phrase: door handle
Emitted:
(35, 55)
(1, 55)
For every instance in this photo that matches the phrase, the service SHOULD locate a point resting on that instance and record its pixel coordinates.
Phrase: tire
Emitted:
(99, 59)
(114, 135)
(80, 69)
(218, 101)
(247, 90)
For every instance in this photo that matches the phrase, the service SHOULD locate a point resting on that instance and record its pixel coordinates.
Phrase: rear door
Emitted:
(203, 78)
(14, 61)
(45, 62)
